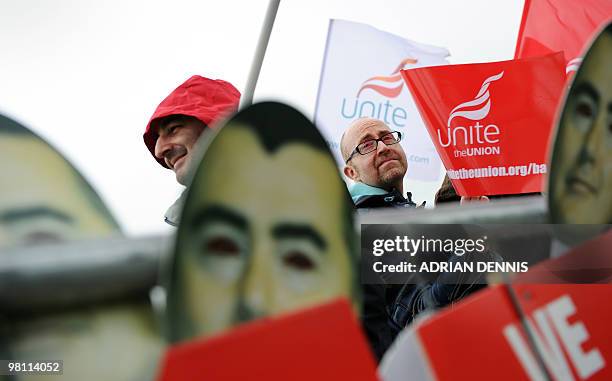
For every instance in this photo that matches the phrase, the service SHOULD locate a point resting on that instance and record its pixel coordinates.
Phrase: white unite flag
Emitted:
(360, 77)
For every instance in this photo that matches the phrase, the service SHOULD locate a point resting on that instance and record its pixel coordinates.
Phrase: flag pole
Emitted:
(260, 52)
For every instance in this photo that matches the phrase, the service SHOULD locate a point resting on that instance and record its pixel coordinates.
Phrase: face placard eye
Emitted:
(221, 246)
(300, 258)
(584, 112)
(298, 261)
(221, 250)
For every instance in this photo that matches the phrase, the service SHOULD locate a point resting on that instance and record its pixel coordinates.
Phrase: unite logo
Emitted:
(389, 86)
(381, 89)
(484, 137)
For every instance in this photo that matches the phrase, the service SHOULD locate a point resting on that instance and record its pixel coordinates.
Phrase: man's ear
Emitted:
(350, 172)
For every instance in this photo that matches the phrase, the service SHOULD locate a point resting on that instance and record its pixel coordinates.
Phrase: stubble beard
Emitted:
(391, 178)
(181, 173)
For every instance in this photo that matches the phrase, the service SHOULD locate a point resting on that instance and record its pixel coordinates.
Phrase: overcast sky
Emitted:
(87, 74)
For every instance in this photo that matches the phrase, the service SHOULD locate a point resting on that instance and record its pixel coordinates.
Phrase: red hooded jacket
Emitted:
(208, 100)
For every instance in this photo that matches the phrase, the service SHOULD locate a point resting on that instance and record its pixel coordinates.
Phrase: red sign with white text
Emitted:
(561, 25)
(491, 122)
(483, 337)
(571, 326)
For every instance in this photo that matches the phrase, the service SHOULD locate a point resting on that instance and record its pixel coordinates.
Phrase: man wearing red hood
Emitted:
(178, 121)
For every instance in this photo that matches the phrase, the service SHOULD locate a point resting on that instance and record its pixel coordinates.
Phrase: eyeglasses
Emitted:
(368, 146)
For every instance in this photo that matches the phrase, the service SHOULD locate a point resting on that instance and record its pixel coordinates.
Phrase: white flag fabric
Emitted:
(360, 77)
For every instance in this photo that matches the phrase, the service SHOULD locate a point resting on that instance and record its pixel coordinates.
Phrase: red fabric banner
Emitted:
(491, 122)
(560, 25)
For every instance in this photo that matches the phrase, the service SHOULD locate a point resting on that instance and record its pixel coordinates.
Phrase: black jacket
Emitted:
(378, 298)
(392, 199)
(388, 308)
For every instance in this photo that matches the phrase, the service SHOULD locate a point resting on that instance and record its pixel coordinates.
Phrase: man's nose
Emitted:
(162, 145)
(592, 145)
(257, 297)
(381, 146)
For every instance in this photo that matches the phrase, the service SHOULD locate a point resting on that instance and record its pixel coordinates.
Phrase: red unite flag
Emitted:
(560, 25)
(491, 122)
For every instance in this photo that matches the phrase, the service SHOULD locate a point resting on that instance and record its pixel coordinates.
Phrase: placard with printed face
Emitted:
(43, 198)
(580, 182)
(45, 201)
(267, 226)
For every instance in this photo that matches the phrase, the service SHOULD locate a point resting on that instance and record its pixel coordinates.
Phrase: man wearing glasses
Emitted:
(376, 163)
